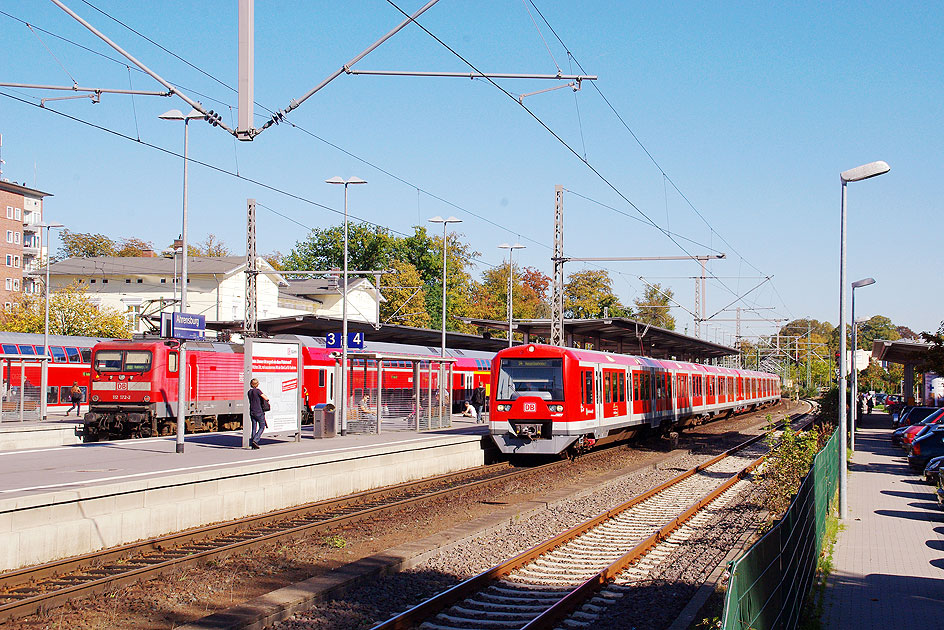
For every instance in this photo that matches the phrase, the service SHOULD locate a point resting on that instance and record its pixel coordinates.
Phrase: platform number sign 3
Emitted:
(354, 340)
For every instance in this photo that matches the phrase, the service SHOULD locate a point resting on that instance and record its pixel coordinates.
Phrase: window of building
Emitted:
(16, 284)
(16, 237)
(17, 214)
(104, 280)
(92, 281)
(163, 280)
(6, 306)
(9, 284)
(16, 261)
(9, 236)
(140, 281)
(127, 280)
(9, 260)
(9, 212)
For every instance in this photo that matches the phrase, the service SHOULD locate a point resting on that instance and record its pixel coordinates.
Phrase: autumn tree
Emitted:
(529, 294)
(587, 293)
(405, 296)
(654, 305)
(933, 360)
(71, 312)
(88, 245)
(209, 246)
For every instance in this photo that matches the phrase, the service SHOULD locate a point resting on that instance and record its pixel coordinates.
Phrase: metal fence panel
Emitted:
(769, 582)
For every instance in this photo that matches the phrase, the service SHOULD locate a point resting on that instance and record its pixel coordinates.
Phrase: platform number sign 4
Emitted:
(354, 340)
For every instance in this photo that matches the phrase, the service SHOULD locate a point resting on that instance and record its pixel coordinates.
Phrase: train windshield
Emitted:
(122, 361)
(531, 377)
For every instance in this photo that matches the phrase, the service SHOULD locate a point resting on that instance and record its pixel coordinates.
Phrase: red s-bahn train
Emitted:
(133, 384)
(546, 400)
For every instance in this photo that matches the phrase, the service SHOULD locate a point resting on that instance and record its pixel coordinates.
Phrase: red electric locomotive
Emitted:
(546, 400)
(134, 383)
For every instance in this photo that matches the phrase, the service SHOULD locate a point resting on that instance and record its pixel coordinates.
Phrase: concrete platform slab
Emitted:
(63, 501)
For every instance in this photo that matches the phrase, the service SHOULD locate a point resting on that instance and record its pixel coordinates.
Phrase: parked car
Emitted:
(933, 469)
(880, 398)
(905, 435)
(940, 491)
(914, 415)
(894, 402)
(926, 448)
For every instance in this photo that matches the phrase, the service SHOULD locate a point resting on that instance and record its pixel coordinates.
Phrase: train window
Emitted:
(86, 354)
(137, 360)
(531, 377)
(321, 378)
(108, 361)
(9, 348)
(24, 349)
(636, 386)
(586, 390)
(58, 354)
(40, 351)
(171, 361)
(73, 354)
(622, 387)
(607, 384)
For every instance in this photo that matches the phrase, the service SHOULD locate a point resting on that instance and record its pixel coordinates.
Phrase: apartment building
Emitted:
(21, 246)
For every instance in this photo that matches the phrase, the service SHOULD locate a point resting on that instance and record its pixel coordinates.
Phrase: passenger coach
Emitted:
(546, 399)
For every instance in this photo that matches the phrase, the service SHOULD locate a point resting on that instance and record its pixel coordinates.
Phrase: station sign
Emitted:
(354, 340)
(183, 325)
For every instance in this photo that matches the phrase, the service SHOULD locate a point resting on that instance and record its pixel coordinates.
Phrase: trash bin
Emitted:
(324, 420)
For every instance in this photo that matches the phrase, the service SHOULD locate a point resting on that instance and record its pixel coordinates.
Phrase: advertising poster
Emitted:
(933, 390)
(276, 366)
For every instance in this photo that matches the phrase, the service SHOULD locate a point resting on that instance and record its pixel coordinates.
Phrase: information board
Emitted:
(277, 366)
(355, 340)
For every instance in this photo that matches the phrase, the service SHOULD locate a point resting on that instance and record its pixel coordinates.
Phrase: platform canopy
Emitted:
(616, 334)
(317, 326)
(904, 351)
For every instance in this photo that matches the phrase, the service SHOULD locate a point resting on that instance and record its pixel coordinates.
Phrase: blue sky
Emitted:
(751, 110)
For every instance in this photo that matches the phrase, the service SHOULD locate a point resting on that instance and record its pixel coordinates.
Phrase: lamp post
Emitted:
(175, 114)
(343, 384)
(445, 222)
(44, 376)
(855, 373)
(852, 175)
(511, 270)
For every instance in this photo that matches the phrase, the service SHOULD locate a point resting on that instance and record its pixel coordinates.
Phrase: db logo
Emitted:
(121, 385)
(530, 407)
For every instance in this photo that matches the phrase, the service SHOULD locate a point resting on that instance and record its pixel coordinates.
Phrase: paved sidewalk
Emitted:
(889, 559)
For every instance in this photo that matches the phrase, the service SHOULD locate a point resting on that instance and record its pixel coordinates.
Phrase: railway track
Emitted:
(43, 587)
(542, 586)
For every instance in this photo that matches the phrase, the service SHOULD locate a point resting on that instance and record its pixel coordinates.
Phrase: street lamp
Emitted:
(175, 114)
(511, 270)
(343, 385)
(852, 175)
(855, 373)
(44, 376)
(445, 222)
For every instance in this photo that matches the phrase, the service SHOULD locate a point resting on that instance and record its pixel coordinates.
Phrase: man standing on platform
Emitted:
(478, 401)
(258, 405)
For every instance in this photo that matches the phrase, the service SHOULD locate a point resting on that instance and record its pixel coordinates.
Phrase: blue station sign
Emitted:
(354, 340)
(188, 326)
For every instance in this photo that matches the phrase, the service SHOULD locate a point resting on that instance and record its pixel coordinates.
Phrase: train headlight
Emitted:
(147, 399)
(503, 407)
(556, 408)
(95, 398)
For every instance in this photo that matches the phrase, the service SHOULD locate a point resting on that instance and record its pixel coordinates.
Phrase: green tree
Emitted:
(653, 307)
(933, 360)
(370, 248)
(529, 294)
(71, 312)
(588, 292)
(405, 296)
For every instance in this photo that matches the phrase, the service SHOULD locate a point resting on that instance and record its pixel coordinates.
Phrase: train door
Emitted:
(598, 379)
(587, 397)
(681, 391)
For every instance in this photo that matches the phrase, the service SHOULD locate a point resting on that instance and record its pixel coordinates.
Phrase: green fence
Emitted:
(771, 579)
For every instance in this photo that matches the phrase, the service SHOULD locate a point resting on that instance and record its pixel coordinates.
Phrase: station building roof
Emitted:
(904, 351)
(317, 326)
(618, 334)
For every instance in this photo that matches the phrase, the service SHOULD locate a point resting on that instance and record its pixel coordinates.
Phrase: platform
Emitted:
(62, 501)
(888, 564)
(58, 430)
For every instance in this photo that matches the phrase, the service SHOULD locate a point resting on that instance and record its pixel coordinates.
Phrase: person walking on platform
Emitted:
(258, 405)
(870, 403)
(478, 401)
(75, 397)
